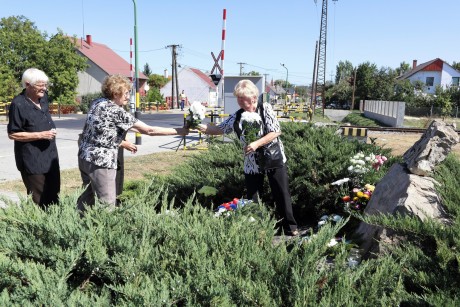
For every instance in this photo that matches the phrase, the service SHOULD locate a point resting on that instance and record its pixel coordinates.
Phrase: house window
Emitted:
(429, 81)
(455, 81)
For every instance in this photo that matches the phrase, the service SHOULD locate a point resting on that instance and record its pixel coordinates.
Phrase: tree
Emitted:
(456, 65)
(384, 84)
(443, 100)
(62, 64)
(344, 71)
(23, 46)
(252, 73)
(365, 80)
(402, 69)
(20, 46)
(147, 71)
(157, 81)
(403, 91)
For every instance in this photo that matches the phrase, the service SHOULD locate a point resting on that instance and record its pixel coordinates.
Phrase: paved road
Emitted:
(69, 126)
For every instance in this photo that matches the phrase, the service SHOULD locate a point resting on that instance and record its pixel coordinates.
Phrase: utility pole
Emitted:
(241, 68)
(353, 93)
(321, 68)
(265, 87)
(313, 80)
(136, 63)
(174, 81)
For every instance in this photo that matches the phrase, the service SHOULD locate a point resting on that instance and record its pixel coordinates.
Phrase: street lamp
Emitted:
(287, 74)
(137, 112)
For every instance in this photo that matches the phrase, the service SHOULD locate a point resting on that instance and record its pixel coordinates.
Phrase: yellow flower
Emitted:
(370, 187)
(360, 194)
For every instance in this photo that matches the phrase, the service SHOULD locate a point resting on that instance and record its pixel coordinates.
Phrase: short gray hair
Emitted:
(33, 75)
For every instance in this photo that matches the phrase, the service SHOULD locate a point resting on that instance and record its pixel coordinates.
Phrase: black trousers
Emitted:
(279, 185)
(44, 188)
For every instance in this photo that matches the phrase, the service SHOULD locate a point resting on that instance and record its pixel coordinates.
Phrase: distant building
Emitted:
(196, 85)
(102, 62)
(432, 73)
(275, 92)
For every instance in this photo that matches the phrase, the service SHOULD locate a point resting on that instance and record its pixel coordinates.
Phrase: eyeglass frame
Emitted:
(41, 86)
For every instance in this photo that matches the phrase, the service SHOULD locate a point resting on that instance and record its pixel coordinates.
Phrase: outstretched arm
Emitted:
(210, 130)
(154, 130)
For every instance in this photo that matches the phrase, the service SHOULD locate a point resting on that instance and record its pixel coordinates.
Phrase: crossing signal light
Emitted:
(216, 78)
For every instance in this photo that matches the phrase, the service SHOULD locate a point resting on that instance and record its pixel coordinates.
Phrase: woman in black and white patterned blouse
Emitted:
(105, 126)
(247, 96)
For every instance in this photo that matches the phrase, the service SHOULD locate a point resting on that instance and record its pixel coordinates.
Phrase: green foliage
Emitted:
(316, 158)
(365, 80)
(61, 63)
(87, 99)
(23, 46)
(358, 119)
(148, 254)
(154, 95)
(147, 71)
(157, 81)
(154, 252)
(431, 272)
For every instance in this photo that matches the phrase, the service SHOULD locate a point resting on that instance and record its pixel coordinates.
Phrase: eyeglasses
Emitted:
(127, 94)
(40, 86)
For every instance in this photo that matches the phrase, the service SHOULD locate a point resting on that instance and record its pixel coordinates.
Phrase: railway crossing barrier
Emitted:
(355, 133)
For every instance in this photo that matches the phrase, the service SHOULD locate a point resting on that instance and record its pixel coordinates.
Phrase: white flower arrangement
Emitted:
(250, 125)
(361, 164)
(196, 114)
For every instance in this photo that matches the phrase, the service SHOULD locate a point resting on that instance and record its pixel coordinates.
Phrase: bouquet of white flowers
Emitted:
(250, 125)
(196, 114)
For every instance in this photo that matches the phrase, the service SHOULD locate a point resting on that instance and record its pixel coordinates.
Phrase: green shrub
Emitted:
(149, 254)
(358, 119)
(87, 99)
(316, 158)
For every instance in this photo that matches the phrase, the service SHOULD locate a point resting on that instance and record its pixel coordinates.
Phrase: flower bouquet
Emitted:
(196, 114)
(250, 126)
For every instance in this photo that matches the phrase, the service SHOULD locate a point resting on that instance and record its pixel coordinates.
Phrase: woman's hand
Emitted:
(48, 135)
(251, 148)
(202, 128)
(128, 146)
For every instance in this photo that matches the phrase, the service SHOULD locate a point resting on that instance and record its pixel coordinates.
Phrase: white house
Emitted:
(197, 86)
(433, 73)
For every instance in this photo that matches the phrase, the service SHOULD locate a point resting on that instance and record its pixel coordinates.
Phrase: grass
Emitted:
(424, 122)
(136, 168)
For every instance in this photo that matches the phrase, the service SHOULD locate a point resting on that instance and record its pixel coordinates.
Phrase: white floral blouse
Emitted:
(272, 125)
(103, 132)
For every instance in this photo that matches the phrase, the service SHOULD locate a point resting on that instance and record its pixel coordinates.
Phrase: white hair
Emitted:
(32, 76)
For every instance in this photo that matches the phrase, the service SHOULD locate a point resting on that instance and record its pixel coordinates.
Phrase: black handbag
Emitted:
(270, 156)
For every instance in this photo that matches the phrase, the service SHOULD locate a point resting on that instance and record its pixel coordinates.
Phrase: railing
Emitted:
(4, 108)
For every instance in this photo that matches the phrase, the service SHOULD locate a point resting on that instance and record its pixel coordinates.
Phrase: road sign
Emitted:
(216, 62)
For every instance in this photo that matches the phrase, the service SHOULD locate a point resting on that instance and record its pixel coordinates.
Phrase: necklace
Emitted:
(35, 103)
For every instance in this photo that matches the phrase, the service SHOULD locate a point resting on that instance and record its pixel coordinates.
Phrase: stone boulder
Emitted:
(401, 192)
(408, 189)
(431, 149)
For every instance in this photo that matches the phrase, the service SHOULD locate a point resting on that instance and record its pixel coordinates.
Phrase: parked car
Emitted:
(332, 106)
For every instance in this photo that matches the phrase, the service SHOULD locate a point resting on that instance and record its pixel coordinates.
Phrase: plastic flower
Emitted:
(196, 114)
(250, 125)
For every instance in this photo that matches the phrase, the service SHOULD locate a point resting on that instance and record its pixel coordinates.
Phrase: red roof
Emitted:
(105, 58)
(204, 76)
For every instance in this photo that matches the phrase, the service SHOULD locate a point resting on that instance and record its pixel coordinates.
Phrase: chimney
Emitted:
(414, 64)
(88, 39)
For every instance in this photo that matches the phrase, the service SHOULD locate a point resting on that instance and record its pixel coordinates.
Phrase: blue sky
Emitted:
(261, 34)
